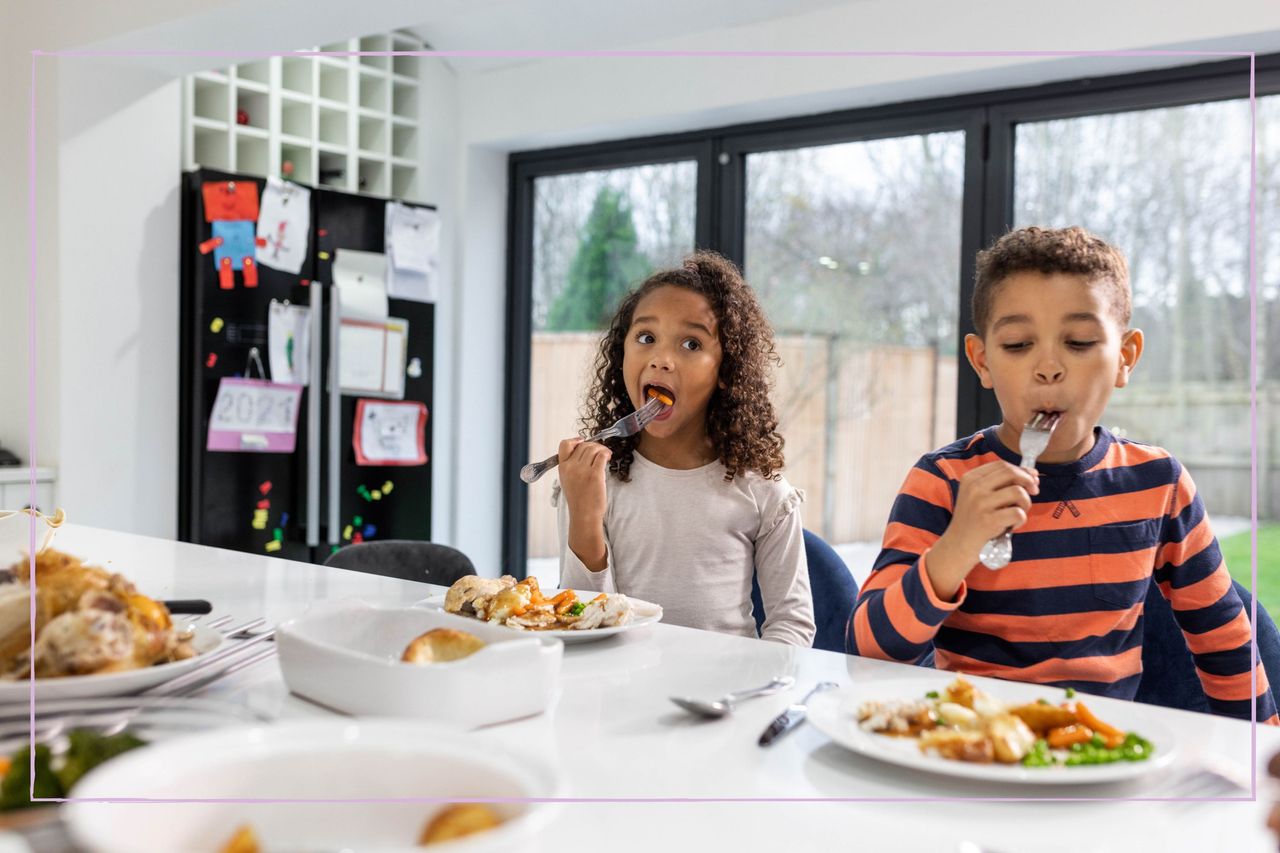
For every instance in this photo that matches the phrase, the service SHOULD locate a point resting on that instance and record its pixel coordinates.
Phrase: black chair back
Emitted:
(407, 559)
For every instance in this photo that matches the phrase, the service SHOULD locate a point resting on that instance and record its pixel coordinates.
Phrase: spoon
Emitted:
(725, 703)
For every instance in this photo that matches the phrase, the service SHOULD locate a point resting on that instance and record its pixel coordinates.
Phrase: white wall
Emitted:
(118, 227)
(439, 184)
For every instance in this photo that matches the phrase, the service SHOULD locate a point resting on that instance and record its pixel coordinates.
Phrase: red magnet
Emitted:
(211, 360)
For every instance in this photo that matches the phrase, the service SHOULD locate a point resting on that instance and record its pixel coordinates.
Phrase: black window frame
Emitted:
(989, 120)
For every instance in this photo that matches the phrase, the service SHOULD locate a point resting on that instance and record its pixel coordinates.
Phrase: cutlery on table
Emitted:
(193, 606)
(628, 425)
(997, 553)
(793, 716)
(725, 703)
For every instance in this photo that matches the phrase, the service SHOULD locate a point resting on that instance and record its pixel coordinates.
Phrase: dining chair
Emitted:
(407, 559)
(834, 592)
(1168, 670)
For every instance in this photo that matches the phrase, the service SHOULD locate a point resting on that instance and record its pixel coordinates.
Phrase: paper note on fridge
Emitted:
(371, 357)
(288, 342)
(413, 249)
(283, 225)
(361, 280)
(390, 433)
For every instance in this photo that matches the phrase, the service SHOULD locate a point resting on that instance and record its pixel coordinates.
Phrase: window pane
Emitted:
(595, 236)
(1170, 187)
(855, 251)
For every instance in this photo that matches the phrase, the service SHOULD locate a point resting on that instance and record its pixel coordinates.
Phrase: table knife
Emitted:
(792, 717)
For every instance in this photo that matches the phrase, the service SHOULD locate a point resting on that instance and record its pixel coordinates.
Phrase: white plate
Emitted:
(330, 759)
(346, 655)
(642, 613)
(111, 683)
(834, 714)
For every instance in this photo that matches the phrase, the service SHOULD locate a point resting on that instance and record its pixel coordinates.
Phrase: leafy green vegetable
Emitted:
(577, 608)
(88, 750)
(932, 694)
(17, 780)
(55, 776)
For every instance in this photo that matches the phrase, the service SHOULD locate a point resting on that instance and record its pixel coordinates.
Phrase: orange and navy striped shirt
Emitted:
(1067, 610)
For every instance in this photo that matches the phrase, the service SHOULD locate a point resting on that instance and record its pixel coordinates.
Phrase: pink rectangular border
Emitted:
(549, 54)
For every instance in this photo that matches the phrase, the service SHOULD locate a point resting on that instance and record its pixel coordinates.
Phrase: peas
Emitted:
(1071, 692)
(1134, 748)
(1039, 755)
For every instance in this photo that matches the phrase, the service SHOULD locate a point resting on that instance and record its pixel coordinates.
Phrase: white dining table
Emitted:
(662, 779)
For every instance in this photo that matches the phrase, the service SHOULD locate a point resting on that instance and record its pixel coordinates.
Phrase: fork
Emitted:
(1035, 438)
(628, 425)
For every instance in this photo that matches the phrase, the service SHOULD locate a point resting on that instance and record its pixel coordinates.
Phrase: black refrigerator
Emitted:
(319, 494)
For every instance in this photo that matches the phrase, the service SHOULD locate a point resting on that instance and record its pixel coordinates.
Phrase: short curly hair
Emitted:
(741, 421)
(1051, 250)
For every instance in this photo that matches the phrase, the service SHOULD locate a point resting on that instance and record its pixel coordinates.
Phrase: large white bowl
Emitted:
(346, 655)
(322, 760)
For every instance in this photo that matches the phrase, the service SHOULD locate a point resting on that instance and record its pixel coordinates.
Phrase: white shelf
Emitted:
(347, 122)
(252, 86)
(207, 123)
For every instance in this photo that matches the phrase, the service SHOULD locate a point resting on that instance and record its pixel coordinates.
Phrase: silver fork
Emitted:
(997, 553)
(628, 425)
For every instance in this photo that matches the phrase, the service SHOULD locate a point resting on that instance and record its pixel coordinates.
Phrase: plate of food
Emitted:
(573, 615)
(1028, 734)
(400, 772)
(96, 634)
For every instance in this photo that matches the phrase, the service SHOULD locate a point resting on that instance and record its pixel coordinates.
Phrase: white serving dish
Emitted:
(380, 763)
(346, 655)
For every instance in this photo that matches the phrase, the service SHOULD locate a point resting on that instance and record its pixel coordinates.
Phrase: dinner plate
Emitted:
(642, 613)
(393, 769)
(834, 713)
(205, 641)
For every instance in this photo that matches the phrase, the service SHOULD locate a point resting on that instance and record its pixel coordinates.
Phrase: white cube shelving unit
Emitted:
(345, 122)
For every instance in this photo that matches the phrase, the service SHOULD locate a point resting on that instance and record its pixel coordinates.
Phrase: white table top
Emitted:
(616, 736)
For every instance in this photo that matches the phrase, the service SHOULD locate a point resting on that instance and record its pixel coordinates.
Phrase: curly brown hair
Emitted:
(741, 421)
(1051, 250)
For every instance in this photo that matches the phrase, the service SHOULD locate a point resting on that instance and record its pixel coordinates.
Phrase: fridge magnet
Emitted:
(254, 416)
(229, 200)
(216, 325)
(283, 224)
(414, 370)
(273, 545)
(390, 433)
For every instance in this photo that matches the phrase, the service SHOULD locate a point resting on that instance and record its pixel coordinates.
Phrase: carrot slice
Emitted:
(1064, 736)
(1111, 736)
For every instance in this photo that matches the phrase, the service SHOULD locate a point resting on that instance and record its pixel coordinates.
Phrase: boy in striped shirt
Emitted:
(1096, 519)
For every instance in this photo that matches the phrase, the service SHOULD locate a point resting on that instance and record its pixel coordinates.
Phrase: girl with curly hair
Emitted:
(684, 513)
